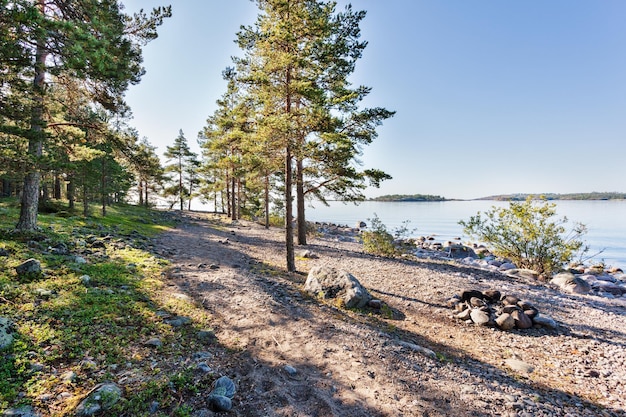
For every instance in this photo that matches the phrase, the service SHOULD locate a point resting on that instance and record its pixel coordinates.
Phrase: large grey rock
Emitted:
(333, 283)
(570, 283)
(29, 267)
(505, 321)
(6, 332)
(102, 397)
(545, 321)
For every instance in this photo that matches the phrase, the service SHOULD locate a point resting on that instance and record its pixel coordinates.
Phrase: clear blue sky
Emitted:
(492, 96)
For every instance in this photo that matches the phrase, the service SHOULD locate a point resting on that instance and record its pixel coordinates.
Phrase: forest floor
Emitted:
(291, 354)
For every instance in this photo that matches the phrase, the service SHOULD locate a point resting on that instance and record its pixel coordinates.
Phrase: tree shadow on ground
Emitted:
(284, 291)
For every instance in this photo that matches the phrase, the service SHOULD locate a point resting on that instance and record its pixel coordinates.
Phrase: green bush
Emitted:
(379, 241)
(528, 234)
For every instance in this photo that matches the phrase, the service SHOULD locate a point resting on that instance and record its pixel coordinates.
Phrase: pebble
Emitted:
(290, 370)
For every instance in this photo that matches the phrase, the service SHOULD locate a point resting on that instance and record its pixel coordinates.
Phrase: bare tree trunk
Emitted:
(140, 191)
(30, 193)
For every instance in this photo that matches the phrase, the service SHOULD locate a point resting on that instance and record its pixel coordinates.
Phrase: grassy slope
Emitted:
(96, 330)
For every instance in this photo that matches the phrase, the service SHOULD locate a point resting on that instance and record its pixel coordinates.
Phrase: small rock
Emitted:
(154, 407)
(154, 342)
(479, 317)
(80, 260)
(207, 335)
(290, 370)
(68, 377)
(4, 252)
(545, 321)
(7, 328)
(522, 321)
(23, 411)
(85, 279)
(204, 367)
(505, 321)
(29, 267)
(519, 366)
(220, 398)
(102, 397)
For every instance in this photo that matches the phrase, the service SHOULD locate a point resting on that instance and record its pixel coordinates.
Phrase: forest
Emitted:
(289, 127)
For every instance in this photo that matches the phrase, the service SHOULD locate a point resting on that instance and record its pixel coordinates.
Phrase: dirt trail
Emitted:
(291, 355)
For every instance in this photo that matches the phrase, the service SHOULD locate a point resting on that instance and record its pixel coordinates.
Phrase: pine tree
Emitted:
(91, 41)
(299, 55)
(183, 167)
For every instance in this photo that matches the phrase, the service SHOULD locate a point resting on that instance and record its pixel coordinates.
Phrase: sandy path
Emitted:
(349, 364)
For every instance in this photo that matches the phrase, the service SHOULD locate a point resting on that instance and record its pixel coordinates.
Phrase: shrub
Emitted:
(379, 241)
(528, 234)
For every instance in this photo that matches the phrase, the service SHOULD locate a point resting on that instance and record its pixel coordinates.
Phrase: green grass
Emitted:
(96, 329)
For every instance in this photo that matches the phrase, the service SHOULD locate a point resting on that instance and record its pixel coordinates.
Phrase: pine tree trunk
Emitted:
(145, 190)
(233, 196)
(103, 194)
(140, 191)
(70, 192)
(267, 200)
(291, 262)
(300, 203)
(30, 193)
(57, 187)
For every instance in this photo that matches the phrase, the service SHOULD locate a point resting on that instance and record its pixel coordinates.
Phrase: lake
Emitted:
(605, 220)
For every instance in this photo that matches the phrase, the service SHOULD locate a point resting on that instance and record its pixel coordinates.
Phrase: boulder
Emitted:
(6, 332)
(29, 267)
(333, 283)
(570, 283)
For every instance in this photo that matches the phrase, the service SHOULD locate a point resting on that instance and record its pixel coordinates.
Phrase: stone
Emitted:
(519, 366)
(468, 295)
(101, 398)
(7, 328)
(307, 254)
(220, 398)
(290, 370)
(505, 321)
(361, 225)
(28, 267)
(570, 283)
(4, 252)
(22, 411)
(80, 260)
(457, 251)
(419, 349)
(545, 321)
(333, 283)
(522, 321)
(154, 342)
(492, 295)
(85, 279)
(464, 315)
(522, 273)
(510, 300)
(178, 321)
(207, 336)
(479, 317)
(506, 266)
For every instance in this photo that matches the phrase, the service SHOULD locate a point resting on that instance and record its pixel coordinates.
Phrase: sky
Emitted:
(491, 97)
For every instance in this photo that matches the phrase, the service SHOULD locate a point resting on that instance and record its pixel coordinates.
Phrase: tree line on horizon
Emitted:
(289, 127)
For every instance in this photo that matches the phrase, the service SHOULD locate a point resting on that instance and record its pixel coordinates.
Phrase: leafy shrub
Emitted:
(528, 234)
(379, 241)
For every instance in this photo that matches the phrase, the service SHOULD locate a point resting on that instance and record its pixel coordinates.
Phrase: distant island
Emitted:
(552, 196)
(504, 197)
(408, 198)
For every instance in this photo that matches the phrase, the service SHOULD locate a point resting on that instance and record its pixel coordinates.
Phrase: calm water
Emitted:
(605, 220)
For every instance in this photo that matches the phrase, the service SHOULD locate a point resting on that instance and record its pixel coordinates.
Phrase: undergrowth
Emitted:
(90, 313)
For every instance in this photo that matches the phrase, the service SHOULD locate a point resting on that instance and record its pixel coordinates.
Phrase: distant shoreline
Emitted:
(593, 196)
